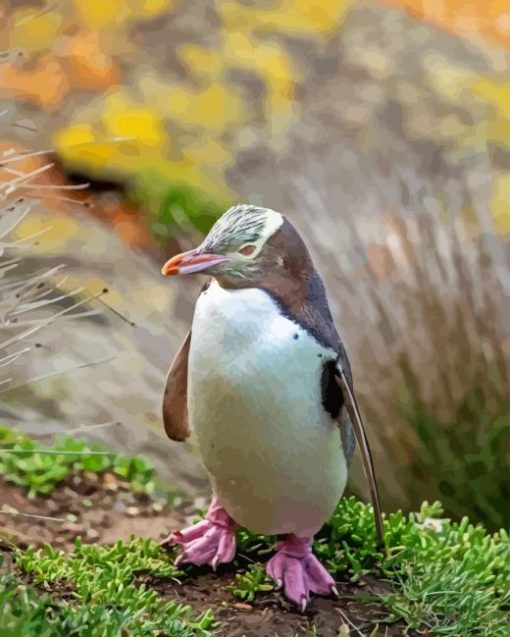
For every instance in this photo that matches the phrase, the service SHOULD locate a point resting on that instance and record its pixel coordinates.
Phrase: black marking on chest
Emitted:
(331, 396)
(333, 403)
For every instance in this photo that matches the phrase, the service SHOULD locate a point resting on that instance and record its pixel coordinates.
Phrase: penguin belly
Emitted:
(273, 453)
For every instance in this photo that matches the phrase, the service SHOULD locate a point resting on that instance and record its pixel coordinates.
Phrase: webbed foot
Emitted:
(299, 572)
(211, 541)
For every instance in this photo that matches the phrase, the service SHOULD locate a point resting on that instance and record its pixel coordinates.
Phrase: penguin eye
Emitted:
(247, 250)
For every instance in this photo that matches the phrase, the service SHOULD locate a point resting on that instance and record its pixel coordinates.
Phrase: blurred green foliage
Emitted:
(181, 210)
(40, 468)
(467, 457)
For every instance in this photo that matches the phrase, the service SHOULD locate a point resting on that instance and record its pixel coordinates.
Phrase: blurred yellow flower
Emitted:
(500, 204)
(495, 92)
(207, 63)
(78, 146)
(214, 108)
(273, 65)
(76, 134)
(150, 8)
(34, 31)
(293, 17)
(121, 117)
(97, 14)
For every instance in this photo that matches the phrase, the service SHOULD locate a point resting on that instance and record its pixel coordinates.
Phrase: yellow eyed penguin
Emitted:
(263, 380)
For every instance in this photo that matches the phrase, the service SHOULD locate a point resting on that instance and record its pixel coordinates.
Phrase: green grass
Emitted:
(99, 596)
(453, 581)
(469, 457)
(451, 578)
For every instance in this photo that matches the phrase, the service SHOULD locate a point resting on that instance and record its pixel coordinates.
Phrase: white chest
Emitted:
(254, 399)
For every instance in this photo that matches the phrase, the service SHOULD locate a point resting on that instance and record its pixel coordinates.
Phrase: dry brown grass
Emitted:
(32, 299)
(447, 328)
(428, 333)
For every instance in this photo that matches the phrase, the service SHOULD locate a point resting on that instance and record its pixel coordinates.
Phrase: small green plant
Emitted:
(252, 581)
(452, 578)
(40, 468)
(116, 563)
(99, 585)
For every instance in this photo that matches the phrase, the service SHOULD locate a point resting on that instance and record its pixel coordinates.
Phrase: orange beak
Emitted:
(191, 262)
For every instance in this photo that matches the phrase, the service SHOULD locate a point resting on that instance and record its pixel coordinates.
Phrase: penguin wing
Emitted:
(342, 377)
(175, 398)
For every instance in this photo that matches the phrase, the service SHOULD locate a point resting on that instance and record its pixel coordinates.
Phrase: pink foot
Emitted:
(299, 572)
(211, 541)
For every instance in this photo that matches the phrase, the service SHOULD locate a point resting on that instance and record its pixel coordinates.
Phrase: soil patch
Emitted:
(96, 507)
(269, 615)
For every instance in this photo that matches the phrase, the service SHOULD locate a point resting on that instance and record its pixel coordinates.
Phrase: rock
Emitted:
(92, 534)
(243, 607)
(72, 527)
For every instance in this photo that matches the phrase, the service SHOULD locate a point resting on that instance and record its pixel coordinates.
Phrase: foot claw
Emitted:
(334, 591)
(299, 571)
(211, 541)
(168, 541)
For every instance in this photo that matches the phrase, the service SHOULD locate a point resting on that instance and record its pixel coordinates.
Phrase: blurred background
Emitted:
(380, 128)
